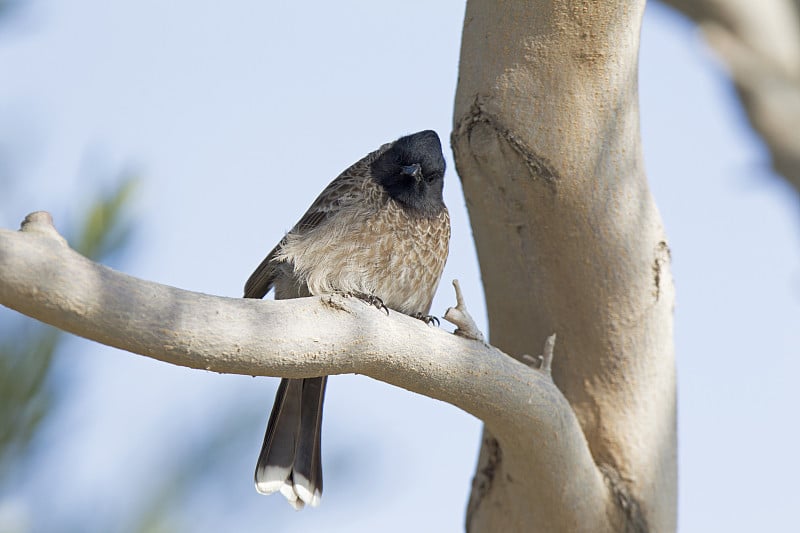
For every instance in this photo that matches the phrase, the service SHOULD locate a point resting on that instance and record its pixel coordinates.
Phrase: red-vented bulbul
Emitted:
(379, 231)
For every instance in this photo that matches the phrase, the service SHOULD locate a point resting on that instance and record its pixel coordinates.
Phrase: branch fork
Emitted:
(307, 337)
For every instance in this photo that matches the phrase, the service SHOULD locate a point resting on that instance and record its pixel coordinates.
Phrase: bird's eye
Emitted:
(414, 171)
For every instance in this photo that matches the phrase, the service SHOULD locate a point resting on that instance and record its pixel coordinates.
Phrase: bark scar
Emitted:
(332, 302)
(537, 165)
(634, 520)
(663, 257)
(484, 476)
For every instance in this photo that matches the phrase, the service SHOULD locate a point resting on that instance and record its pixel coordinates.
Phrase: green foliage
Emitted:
(28, 391)
(106, 228)
(25, 399)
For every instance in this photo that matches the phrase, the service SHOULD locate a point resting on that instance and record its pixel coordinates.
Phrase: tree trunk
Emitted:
(546, 143)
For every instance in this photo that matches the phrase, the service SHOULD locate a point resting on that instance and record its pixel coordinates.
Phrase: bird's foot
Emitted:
(428, 319)
(369, 299)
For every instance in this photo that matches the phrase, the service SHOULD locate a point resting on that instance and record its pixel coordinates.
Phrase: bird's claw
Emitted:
(372, 300)
(428, 319)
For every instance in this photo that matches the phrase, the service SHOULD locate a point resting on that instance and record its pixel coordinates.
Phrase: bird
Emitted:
(380, 231)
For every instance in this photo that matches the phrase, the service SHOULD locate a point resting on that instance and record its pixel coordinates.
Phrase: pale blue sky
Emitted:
(236, 116)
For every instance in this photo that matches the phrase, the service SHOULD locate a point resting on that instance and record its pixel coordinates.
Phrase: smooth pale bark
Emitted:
(759, 44)
(546, 141)
(42, 277)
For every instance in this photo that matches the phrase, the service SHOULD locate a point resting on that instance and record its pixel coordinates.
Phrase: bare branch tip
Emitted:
(41, 222)
(460, 317)
(37, 218)
(459, 295)
(547, 354)
(531, 361)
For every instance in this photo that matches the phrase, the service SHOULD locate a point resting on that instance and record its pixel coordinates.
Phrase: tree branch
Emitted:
(759, 44)
(45, 279)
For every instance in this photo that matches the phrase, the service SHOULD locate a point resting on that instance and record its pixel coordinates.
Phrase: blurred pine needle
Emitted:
(28, 390)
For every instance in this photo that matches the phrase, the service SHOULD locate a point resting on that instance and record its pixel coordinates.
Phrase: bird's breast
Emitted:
(387, 252)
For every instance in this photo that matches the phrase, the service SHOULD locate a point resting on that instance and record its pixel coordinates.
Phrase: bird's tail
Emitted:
(290, 460)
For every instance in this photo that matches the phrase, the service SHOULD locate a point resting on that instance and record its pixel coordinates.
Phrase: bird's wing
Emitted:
(260, 281)
(345, 190)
